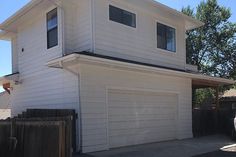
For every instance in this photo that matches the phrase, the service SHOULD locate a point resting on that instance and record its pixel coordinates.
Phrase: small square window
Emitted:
(166, 37)
(122, 16)
(52, 29)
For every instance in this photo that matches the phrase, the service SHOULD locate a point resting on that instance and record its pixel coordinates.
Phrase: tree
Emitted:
(212, 47)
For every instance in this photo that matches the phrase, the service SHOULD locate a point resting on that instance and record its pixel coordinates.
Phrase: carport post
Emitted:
(217, 109)
(217, 98)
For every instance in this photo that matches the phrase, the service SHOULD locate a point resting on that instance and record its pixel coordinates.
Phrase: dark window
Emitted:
(122, 16)
(166, 37)
(52, 29)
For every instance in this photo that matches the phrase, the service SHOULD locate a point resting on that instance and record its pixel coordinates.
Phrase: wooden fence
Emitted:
(36, 137)
(204, 122)
(210, 121)
(47, 113)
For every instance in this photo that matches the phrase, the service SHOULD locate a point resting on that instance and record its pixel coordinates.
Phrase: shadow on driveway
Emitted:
(218, 154)
(198, 147)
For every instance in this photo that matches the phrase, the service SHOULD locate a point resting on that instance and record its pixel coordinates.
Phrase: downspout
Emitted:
(79, 127)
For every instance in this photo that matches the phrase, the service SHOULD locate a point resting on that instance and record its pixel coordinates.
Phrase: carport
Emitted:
(207, 118)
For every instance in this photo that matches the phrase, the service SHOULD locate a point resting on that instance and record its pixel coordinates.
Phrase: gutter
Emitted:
(80, 58)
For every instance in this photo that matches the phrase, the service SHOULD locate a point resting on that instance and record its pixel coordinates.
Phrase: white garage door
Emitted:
(138, 117)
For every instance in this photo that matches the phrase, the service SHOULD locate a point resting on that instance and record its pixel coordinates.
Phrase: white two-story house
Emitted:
(121, 64)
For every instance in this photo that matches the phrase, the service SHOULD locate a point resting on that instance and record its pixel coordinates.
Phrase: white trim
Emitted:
(141, 90)
(20, 13)
(59, 45)
(125, 8)
(34, 3)
(196, 22)
(85, 59)
(164, 51)
(176, 109)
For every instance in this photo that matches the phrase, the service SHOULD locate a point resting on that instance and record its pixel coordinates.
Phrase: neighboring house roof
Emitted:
(76, 58)
(5, 108)
(11, 78)
(8, 25)
(230, 93)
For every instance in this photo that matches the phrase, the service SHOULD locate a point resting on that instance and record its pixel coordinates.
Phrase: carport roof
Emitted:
(71, 60)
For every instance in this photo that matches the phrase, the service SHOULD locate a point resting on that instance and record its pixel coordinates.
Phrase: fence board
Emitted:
(39, 137)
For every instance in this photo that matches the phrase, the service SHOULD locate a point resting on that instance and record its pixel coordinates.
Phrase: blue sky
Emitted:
(9, 7)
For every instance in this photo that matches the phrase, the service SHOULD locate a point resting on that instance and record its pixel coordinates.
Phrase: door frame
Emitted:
(141, 90)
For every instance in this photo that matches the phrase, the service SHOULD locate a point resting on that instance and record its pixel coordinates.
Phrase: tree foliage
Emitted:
(212, 47)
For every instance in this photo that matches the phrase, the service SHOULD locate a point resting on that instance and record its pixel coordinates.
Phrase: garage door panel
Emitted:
(142, 102)
(138, 117)
(127, 140)
(137, 111)
(140, 124)
(156, 131)
(115, 118)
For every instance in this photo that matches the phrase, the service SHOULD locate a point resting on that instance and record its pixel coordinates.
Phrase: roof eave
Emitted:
(19, 13)
(194, 22)
(6, 35)
(79, 58)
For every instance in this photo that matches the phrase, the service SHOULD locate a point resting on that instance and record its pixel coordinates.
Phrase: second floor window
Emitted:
(122, 16)
(166, 38)
(52, 29)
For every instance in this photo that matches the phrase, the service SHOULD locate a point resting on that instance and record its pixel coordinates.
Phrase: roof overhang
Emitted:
(4, 35)
(190, 23)
(11, 24)
(71, 62)
(19, 14)
(12, 79)
(30, 10)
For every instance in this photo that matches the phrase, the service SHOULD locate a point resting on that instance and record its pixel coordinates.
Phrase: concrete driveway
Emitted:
(199, 147)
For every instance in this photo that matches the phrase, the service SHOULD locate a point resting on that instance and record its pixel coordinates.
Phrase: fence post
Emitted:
(12, 138)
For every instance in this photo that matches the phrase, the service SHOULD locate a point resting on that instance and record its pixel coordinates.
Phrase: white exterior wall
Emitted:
(14, 55)
(95, 81)
(5, 107)
(77, 25)
(41, 87)
(139, 43)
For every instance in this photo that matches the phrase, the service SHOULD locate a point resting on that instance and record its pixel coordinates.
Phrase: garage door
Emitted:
(139, 117)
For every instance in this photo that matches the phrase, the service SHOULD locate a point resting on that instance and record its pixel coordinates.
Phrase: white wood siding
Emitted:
(77, 25)
(96, 80)
(139, 43)
(41, 87)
